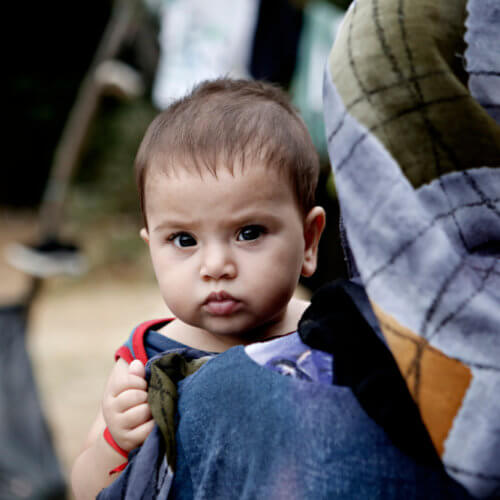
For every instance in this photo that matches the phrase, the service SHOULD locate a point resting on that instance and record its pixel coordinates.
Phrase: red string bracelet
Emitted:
(109, 439)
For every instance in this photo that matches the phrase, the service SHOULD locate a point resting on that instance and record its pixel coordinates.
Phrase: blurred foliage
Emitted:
(103, 208)
(105, 182)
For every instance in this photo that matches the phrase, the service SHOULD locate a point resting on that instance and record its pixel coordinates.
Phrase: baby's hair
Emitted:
(228, 122)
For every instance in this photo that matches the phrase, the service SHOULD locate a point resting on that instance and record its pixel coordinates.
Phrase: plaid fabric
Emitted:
(411, 110)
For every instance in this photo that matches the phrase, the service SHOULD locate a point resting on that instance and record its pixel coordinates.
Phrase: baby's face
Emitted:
(227, 250)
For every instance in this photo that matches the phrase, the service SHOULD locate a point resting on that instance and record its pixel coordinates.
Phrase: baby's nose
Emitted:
(218, 263)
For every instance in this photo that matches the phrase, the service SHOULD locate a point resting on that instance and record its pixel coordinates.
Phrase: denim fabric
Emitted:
(147, 475)
(246, 432)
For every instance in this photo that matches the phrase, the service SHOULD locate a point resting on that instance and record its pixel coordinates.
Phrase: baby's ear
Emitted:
(314, 224)
(144, 235)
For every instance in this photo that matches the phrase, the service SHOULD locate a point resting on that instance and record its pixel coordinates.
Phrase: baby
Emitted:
(226, 178)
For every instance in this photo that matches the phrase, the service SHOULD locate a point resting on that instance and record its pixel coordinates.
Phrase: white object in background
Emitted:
(202, 39)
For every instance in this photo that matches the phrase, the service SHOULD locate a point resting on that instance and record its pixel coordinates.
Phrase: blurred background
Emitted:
(84, 81)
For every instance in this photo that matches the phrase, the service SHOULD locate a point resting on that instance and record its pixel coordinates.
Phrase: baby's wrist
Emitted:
(108, 437)
(110, 440)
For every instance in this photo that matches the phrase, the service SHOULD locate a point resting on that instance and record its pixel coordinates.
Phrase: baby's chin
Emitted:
(236, 330)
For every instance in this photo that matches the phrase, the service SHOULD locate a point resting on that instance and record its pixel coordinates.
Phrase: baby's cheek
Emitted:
(276, 283)
(180, 301)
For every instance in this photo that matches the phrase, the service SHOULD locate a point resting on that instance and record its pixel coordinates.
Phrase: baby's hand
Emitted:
(124, 405)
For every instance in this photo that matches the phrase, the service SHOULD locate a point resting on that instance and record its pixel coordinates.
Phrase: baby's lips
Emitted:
(222, 307)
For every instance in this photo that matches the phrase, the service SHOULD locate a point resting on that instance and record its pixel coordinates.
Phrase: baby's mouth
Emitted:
(221, 304)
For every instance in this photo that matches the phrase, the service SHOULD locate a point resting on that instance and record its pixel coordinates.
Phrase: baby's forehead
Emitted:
(226, 185)
(255, 179)
(186, 199)
(204, 169)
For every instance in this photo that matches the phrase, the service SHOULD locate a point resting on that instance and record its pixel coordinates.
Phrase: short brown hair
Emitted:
(225, 121)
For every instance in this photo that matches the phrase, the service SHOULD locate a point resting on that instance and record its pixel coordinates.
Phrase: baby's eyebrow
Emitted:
(255, 214)
(174, 223)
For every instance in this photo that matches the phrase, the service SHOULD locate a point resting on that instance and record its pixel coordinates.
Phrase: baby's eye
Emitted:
(182, 240)
(249, 233)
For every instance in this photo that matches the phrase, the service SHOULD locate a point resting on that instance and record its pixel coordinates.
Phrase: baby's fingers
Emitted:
(137, 436)
(122, 379)
(137, 368)
(136, 416)
(129, 399)
(126, 383)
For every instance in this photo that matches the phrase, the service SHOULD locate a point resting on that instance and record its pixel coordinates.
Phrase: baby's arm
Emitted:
(124, 410)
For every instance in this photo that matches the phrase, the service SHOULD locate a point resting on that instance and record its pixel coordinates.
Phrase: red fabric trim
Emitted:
(138, 338)
(138, 341)
(124, 353)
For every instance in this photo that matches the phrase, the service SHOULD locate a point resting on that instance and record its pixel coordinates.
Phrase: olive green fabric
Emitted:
(406, 84)
(166, 372)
